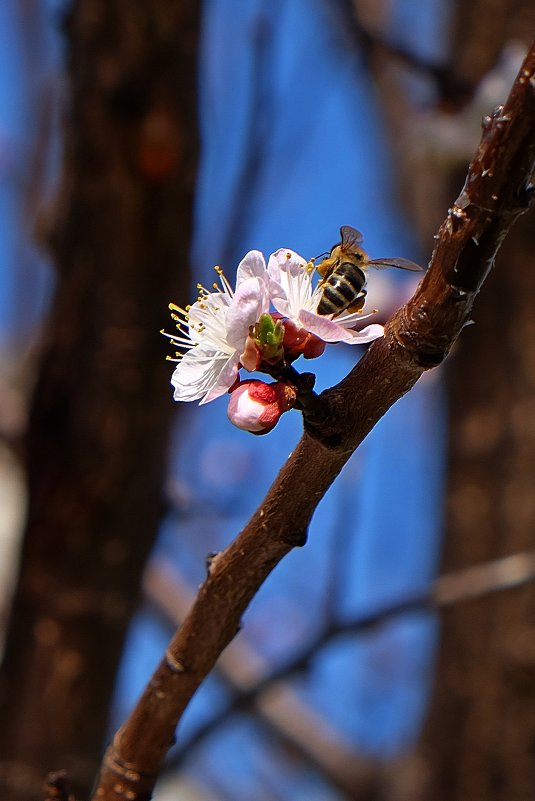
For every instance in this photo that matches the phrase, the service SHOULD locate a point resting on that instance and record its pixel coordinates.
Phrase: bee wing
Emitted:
(402, 264)
(350, 236)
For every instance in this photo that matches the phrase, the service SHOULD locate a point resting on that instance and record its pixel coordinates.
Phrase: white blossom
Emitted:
(212, 331)
(294, 297)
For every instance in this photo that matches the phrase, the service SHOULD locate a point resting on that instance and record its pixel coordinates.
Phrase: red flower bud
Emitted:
(257, 407)
(299, 341)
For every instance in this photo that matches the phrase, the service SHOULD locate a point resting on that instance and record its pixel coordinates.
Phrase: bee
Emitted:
(343, 273)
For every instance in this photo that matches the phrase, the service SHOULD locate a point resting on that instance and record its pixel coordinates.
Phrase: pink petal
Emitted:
(331, 331)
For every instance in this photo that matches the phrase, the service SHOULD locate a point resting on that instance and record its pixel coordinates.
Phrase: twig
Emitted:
(454, 90)
(507, 573)
(280, 711)
(57, 787)
(417, 337)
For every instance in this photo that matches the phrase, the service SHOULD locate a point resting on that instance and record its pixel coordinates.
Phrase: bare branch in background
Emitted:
(280, 710)
(57, 787)
(453, 89)
(248, 675)
(417, 337)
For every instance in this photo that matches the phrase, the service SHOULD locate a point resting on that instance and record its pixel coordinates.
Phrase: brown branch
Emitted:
(418, 337)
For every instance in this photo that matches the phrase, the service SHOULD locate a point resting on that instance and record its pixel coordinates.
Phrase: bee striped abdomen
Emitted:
(341, 289)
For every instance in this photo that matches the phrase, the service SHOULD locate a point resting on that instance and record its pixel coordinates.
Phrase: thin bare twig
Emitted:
(416, 338)
(57, 787)
(247, 673)
(454, 90)
(280, 711)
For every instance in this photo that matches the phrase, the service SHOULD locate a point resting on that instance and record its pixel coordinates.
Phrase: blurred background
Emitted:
(140, 145)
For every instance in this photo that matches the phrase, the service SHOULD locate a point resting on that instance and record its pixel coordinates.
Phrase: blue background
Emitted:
(293, 146)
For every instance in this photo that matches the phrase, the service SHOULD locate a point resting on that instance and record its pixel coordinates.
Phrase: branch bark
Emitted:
(419, 336)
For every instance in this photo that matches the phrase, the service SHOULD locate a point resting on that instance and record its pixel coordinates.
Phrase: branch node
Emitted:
(419, 347)
(295, 538)
(210, 559)
(57, 787)
(174, 664)
(526, 196)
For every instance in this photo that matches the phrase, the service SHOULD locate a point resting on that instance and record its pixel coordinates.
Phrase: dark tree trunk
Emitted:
(102, 408)
(482, 28)
(480, 735)
(478, 742)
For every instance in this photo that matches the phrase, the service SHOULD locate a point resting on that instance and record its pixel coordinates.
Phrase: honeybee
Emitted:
(343, 273)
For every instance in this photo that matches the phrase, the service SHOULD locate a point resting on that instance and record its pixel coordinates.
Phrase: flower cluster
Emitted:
(263, 325)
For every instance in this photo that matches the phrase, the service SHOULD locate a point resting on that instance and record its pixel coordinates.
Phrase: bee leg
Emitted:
(358, 304)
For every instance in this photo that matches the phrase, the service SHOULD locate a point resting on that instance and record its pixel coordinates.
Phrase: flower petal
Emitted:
(285, 261)
(253, 265)
(290, 282)
(330, 331)
(250, 301)
(224, 380)
(368, 334)
(202, 370)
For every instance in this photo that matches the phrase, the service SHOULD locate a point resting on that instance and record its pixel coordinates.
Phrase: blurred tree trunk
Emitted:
(101, 415)
(478, 743)
(479, 738)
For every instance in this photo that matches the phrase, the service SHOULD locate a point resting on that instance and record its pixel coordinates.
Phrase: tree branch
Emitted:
(417, 337)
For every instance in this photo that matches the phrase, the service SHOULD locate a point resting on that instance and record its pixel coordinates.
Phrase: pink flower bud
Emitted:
(256, 407)
(299, 341)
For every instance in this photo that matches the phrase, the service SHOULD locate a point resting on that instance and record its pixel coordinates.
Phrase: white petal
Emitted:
(206, 319)
(369, 333)
(253, 265)
(224, 380)
(281, 305)
(248, 304)
(290, 282)
(285, 261)
(330, 331)
(199, 371)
